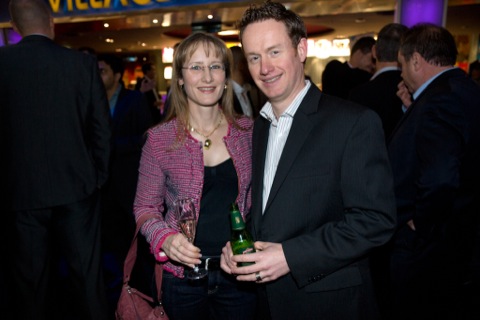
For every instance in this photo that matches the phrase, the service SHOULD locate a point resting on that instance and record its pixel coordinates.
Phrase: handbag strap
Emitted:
(132, 257)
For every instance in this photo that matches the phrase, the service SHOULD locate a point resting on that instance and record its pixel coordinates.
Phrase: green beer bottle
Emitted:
(241, 241)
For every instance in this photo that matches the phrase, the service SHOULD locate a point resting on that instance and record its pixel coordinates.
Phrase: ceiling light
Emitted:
(109, 40)
(228, 32)
(155, 21)
(210, 17)
(167, 73)
(106, 25)
(167, 55)
(167, 20)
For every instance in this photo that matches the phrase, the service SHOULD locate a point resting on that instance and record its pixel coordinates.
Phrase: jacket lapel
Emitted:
(299, 132)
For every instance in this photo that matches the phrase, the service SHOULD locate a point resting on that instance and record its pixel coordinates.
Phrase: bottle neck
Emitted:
(237, 221)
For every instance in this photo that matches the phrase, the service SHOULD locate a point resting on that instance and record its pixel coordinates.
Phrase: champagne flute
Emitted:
(185, 213)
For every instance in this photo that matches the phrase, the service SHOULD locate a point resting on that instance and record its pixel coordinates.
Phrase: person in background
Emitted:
(148, 86)
(322, 190)
(434, 152)
(55, 142)
(380, 93)
(474, 71)
(339, 78)
(242, 102)
(130, 120)
(202, 151)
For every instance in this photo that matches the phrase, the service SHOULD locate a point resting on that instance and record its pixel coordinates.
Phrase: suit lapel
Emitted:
(260, 141)
(299, 132)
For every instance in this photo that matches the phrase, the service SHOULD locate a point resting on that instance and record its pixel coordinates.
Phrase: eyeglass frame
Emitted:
(202, 68)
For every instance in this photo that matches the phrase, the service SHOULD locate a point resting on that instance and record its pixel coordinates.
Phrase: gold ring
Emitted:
(258, 277)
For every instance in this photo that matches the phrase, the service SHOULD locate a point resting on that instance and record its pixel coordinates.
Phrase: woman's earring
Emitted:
(225, 88)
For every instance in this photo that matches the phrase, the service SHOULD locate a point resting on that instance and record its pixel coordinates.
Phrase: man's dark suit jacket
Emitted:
(55, 143)
(338, 78)
(130, 121)
(151, 100)
(435, 156)
(331, 202)
(380, 94)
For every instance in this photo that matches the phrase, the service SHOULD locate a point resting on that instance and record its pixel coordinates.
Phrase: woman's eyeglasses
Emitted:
(198, 69)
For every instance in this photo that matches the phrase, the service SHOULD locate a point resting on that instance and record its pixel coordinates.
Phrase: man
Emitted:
(380, 93)
(55, 141)
(339, 78)
(130, 120)
(241, 100)
(474, 71)
(322, 191)
(248, 98)
(435, 152)
(148, 86)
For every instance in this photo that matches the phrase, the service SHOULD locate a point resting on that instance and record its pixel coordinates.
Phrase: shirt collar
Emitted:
(425, 85)
(384, 70)
(267, 110)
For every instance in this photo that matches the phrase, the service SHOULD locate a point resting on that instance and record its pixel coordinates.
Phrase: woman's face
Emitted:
(203, 78)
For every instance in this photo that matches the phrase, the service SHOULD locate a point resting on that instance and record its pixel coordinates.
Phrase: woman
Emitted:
(202, 151)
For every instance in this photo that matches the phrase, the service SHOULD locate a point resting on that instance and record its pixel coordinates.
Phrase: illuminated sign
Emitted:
(67, 8)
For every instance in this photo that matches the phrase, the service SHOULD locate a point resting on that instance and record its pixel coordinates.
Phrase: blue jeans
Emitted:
(218, 296)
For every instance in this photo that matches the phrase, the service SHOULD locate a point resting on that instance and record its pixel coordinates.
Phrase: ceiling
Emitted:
(136, 32)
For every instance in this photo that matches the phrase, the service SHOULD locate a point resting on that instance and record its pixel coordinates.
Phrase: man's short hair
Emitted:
(435, 44)
(147, 67)
(388, 42)
(364, 44)
(114, 62)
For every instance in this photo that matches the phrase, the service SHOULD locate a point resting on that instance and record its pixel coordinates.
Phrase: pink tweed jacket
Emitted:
(171, 170)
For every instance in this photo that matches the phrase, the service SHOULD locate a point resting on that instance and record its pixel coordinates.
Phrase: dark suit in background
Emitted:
(380, 94)
(131, 119)
(339, 78)
(55, 142)
(435, 157)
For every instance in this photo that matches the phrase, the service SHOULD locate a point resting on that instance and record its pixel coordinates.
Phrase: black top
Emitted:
(220, 189)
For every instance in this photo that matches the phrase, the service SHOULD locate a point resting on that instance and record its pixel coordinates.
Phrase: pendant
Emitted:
(207, 144)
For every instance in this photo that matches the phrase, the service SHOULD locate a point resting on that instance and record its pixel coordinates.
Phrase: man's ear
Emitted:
(14, 26)
(302, 49)
(374, 52)
(417, 60)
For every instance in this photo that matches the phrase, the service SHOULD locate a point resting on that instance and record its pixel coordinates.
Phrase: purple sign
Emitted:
(416, 11)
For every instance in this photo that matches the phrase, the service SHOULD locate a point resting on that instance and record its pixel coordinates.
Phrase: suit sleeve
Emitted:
(440, 148)
(99, 130)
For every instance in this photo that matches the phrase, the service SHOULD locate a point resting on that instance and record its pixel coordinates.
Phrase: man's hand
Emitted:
(270, 263)
(404, 94)
(147, 85)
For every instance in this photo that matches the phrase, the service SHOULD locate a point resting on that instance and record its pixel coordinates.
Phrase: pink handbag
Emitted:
(133, 304)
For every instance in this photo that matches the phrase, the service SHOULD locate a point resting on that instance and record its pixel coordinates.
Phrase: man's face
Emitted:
(275, 65)
(367, 62)
(109, 79)
(151, 73)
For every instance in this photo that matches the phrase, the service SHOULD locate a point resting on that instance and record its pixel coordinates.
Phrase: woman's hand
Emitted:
(177, 248)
